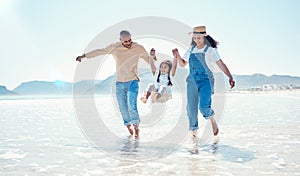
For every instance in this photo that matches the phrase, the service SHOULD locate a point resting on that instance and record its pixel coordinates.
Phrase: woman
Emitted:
(200, 82)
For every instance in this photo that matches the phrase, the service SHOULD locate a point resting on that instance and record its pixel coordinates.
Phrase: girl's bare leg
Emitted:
(145, 97)
(162, 96)
(147, 93)
(154, 97)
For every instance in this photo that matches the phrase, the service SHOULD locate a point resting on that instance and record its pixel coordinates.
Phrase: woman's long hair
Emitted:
(209, 41)
(169, 63)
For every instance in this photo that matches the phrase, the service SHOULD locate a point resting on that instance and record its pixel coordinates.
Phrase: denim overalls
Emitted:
(200, 85)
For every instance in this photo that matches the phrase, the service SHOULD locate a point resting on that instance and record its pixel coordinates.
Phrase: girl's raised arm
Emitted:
(177, 56)
(174, 66)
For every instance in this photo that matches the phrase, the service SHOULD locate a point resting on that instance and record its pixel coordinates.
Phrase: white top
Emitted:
(163, 81)
(211, 56)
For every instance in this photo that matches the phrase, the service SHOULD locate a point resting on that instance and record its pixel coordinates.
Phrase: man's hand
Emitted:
(152, 53)
(79, 58)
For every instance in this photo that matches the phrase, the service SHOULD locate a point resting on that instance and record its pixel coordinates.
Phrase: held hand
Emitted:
(231, 82)
(152, 52)
(175, 53)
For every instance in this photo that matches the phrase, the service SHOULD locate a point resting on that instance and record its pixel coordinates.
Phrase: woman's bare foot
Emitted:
(137, 130)
(144, 99)
(130, 129)
(214, 126)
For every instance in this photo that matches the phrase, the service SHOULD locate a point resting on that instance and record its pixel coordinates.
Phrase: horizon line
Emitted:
(72, 82)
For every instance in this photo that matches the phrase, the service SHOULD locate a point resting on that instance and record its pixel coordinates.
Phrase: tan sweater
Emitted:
(126, 59)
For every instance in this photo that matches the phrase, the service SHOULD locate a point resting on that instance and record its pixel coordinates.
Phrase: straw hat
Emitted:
(199, 30)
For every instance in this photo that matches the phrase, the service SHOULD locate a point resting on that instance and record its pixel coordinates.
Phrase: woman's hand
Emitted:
(224, 68)
(231, 82)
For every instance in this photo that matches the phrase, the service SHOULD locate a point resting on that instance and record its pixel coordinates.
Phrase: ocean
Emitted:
(259, 135)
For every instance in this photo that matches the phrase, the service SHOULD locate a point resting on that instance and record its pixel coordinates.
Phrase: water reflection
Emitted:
(130, 146)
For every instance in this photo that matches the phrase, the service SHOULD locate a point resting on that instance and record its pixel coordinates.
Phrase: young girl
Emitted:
(161, 89)
(200, 81)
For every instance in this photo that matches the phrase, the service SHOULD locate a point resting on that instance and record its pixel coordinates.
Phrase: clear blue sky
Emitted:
(40, 39)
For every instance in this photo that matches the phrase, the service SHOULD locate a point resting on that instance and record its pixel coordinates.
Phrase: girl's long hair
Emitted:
(169, 63)
(209, 41)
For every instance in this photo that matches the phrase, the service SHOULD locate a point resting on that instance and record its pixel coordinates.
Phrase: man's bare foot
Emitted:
(144, 99)
(214, 126)
(136, 130)
(130, 129)
(194, 133)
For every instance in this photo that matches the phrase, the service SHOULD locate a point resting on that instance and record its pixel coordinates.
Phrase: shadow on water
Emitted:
(130, 149)
(134, 150)
(228, 153)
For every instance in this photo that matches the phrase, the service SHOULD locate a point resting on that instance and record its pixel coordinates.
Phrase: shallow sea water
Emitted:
(259, 135)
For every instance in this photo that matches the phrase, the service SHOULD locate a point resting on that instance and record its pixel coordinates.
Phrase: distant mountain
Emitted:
(107, 86)
(257, 80)
(43, 87)
(5, 91)
(242, 81)
(85, 86)
(55, 88)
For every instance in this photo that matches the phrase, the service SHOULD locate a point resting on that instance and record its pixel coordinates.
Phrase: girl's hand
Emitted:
(178, 58)
(152, 53)
(175, 53)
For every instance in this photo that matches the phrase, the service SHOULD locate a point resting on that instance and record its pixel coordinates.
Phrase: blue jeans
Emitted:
(198, 89)
(127, 93)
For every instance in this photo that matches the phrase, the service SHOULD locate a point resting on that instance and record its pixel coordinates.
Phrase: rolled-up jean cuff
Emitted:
(209, 117)
(132, 122)
(194, 128)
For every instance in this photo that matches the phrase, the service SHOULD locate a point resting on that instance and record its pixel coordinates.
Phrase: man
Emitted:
(127, 54)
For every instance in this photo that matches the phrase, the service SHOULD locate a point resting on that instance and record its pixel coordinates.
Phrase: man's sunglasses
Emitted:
(128, 41)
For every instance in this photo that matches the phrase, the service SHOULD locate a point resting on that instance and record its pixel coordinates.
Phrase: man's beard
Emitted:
(127, 46)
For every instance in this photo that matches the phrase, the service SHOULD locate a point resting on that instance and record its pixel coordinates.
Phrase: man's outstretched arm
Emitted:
(97, 52)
